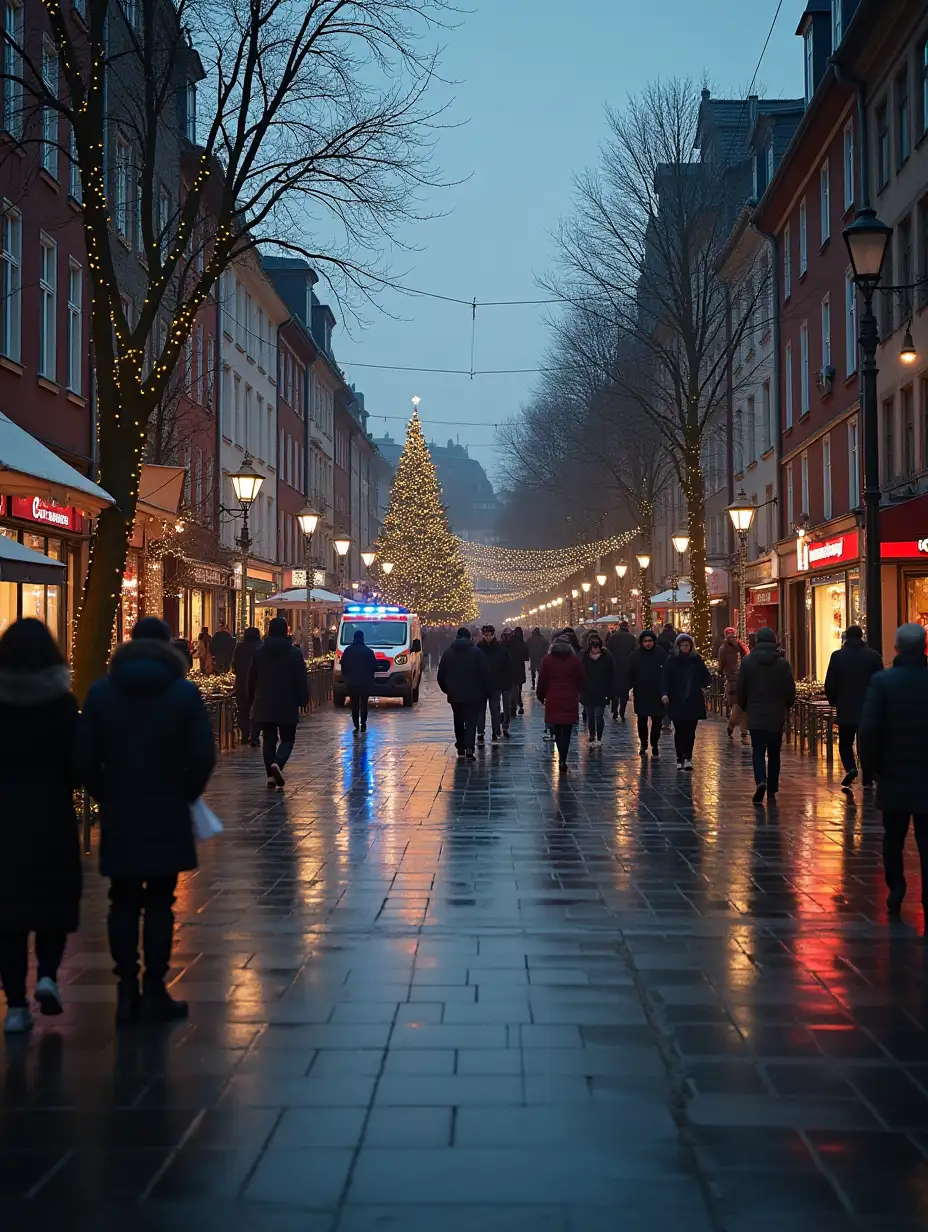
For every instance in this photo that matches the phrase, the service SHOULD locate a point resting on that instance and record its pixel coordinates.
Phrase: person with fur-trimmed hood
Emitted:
(684, 678)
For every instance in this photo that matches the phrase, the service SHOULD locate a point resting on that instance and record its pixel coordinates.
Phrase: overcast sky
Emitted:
(533, 76)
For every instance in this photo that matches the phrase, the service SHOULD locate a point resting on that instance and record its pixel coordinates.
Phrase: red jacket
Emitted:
(560, 682)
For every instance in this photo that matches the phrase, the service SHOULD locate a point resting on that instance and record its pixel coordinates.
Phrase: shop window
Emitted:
(829, 601)
(916, 600)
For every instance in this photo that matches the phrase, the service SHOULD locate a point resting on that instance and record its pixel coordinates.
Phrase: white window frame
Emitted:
(75, 328)
(850, 169)
(75, 192)
(11, 308)
(803, 237)
(13, 27)
(804, 482)
(825, 194)
(770, 163)
(808, 63)
(767, 412)
(48, 307)
(803, 369)
(787, 261)
(850, 323)
(191, 97)
(853, 462)
(50, 114)
(837, 25)
(826, 477)
(826, 332)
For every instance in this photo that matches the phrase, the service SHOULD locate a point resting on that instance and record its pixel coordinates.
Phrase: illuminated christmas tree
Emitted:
(428, 574)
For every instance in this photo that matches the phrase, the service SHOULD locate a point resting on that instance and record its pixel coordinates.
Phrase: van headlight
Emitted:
(401, 659)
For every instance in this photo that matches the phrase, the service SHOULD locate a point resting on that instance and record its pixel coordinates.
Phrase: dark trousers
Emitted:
(274, 752)
(656, 720)
(14, 962)
(129, 898)
(498, 702)
(619, 704)
(358, 706)
(765, 754)
(847, 734)
(245, 726)
(895, 829)
(465, 725)
(515, 698)
(596, 720)
(684, 738)
(562, 733)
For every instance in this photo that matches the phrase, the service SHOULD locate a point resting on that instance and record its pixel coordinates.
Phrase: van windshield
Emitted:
(386, 634)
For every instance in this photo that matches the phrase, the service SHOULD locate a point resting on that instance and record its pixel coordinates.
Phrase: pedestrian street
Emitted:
(435, 994)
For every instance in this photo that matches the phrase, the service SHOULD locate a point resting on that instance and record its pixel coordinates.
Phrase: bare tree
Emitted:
(314, 134)
(641, 251)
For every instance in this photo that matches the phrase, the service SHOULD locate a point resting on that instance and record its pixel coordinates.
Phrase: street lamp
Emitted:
(907, 353)
(621, 569)
(600, 583)
(246, 484)
(367, 559)
(342, 546)
(741, 511)
(680, 542)
(867, 239)
(308, 520)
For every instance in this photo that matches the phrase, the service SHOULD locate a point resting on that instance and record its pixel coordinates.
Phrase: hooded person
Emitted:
(645, 671)
(242, 657)
(847, 680)
(684, 678)
(560, 683)
(599, 686)
(278, 689)
(538, 646)
(766, 690)
(518, 653)
(464, 677)
(145, 751)
(359, 664)
(731, 654)
(499, 662)
(621, 644)
(40, 870)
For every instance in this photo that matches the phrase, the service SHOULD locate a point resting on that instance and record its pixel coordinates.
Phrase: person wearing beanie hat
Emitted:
(765, 691)
(278, 689)
(850, 671)
(621, 644)
(730, 656)
(684, 678)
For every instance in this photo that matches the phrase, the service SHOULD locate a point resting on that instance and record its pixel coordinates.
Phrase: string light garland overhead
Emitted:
(523, 572)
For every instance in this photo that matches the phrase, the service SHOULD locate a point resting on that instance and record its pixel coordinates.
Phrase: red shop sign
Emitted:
(904, 550)
(34, 509)
(832, 551)
(764, 596)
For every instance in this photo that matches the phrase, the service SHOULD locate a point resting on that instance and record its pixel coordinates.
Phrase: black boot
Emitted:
(128, 1002)
(157, 939)
(159, 1006)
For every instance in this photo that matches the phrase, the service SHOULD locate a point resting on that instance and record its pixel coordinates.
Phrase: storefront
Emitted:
(262, 583)
(55, 531)
(763, 608)
(835, 594)
(195, 596)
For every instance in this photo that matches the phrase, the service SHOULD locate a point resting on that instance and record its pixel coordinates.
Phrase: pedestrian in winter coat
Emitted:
(537, 649)
(667, 637)
(278, 689)
(894, 747)
(145, 753)
(599, 686)
(731, 653)
(621, 644)
(223, 648)
(358, 666)
(560, 683)
(499, 662)
(766, 690)
(464, 678)
(518, 653)
(40, 869)
(684, 678)
(242, 657)
(205, 652)
(645, 671)
(847, 680)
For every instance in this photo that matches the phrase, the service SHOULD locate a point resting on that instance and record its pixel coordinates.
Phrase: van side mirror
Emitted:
(416, 646)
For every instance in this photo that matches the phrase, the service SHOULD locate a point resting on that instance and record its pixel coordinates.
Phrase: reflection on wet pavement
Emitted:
(435, 995)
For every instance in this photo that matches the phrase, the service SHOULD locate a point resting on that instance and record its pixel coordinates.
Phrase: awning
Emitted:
(297, 597)
(28, 468)
(684, 593)
(19, 564)
(160, 490)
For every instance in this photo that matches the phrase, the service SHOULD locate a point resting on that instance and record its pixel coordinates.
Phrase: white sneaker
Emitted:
(687, 765)
(18, 1021)
(48, 996)
(680, 764)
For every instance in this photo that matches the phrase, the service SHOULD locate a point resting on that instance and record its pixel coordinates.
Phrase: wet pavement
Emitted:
(428, 994)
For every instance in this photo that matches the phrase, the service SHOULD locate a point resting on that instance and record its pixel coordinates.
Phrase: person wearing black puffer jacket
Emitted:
(278, 689)
(464, 678)
(645, 669)
(145, 751)
(500, 666)
(765, 691)
(621, 644)
(598, 688)
(850, 671)
(685, 676)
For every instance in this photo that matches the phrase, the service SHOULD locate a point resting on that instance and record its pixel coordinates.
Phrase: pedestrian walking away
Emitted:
(645, 673)
(145, 753)
(731, 653)
(464, 677)
(538, 646)
(359, 664)
(847, 680)
(893, 739)
(499, 662)
(518, 653)
(684, 678)
(621, 644)
(278, 689)
(598, 688)
(765, 691)
(205, 652)
(40, 871)
(242, 657)
(560, 683)
(223, 648)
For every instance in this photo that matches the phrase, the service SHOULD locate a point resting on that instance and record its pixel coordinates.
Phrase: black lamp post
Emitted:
(246, 484)
(867, 240)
